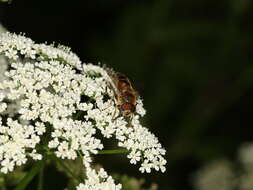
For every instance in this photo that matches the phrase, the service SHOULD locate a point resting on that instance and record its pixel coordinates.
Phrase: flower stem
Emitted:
(60, 162)
(41, 179)
(118, 151)
(31, 174)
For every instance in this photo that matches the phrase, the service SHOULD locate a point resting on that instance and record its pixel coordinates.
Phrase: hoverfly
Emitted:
(125, 95)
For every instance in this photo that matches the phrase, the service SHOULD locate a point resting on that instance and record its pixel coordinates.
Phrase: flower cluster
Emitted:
(98, 180)
(46, 91)
(16, 140)
(226, 175)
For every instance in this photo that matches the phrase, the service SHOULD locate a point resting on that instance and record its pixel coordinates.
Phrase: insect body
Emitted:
(126, 96)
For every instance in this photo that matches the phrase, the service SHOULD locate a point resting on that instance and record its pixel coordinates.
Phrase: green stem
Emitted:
(118, 151)
(41, 179)
(59, 161)
(31, 174)
(80, 154)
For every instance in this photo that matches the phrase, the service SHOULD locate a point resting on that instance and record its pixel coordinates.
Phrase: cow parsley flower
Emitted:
(17, 142)
(98, 180)
(46, 91)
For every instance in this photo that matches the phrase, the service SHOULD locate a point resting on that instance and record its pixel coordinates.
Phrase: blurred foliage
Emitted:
(131, 183)
(75, 166)
(10, 181)
(191, 61)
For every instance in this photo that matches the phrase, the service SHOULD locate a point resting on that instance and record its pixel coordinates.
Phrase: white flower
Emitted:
(145, 167)
(139, 107)
(7, 165)
(40, 128)
(45, 90)
(15, 141)
(134, 156)
(35, 155)
(3, 107)
(53, 143)
(98, 181)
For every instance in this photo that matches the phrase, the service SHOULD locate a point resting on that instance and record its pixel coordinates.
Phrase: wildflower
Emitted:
(46, 88)
(98, 180)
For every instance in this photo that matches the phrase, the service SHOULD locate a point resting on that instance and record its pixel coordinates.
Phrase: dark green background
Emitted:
(191, 61)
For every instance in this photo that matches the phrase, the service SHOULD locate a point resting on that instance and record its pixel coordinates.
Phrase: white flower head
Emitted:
(98, 180)
(45, 90)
